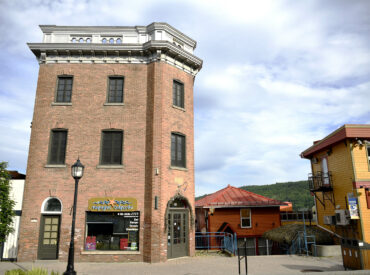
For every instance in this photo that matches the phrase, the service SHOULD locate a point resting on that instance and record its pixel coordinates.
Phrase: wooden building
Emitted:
(239, 212)
(340, 181)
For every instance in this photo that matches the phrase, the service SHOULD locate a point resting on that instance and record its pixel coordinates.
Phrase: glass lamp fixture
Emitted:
(77, 170)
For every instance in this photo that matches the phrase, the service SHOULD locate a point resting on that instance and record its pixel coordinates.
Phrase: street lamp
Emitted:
(77, 172)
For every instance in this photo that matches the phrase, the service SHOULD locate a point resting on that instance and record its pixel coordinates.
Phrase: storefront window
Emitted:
(112, 231)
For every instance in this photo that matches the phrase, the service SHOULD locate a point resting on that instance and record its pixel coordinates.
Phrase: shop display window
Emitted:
(112, 231)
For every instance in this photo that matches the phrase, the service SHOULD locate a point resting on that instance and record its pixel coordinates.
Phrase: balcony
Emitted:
(320, 182)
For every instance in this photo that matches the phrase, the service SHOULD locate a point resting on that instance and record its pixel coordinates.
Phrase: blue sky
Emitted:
(277, 75)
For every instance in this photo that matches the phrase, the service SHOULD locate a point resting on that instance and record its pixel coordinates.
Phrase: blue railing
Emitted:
(216, 241)
(302, 243)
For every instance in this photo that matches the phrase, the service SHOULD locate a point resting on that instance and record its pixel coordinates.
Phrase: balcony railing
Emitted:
(320, 181)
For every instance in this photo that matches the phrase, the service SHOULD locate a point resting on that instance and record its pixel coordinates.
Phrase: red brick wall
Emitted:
(147, 119)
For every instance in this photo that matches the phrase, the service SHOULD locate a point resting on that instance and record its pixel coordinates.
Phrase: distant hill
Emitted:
(294, 191)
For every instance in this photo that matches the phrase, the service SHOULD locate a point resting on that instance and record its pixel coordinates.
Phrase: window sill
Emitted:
(113, 252)
(178, 108)
(178, 168)
(55, 166)
(61, 104)
(114, 104)
(100, 166)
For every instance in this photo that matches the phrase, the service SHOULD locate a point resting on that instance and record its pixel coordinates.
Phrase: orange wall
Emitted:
(263, 219)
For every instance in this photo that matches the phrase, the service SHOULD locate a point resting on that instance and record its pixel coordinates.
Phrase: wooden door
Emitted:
(49, 237)
(178, 234)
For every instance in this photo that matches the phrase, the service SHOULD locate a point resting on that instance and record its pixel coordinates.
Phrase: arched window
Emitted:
(51, 205)
(104, 40)
(81, 40)
(178, 203)
(88, 40)
(73, 40)
(111, 41)
(119, 41)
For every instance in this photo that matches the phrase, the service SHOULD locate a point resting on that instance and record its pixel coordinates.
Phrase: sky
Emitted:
(276, 76)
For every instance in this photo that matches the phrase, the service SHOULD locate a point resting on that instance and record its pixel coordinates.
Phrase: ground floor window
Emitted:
(112, 231)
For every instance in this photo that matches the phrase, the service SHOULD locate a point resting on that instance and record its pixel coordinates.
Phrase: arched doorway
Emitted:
(51, 211)
(177, 219)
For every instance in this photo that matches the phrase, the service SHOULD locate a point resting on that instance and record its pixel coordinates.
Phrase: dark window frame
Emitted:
(115, 98)
(175, 161)
(368, 156)
(178, 95)
(102, 161)
(64, 92)
(57, 159)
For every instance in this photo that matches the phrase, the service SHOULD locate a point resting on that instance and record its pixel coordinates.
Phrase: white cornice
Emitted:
(122, 51)
(155, 26)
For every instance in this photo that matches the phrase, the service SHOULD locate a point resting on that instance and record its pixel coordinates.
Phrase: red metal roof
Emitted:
(233, 197)
(344, 132)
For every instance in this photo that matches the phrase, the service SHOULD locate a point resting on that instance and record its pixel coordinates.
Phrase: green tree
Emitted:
(6, 203)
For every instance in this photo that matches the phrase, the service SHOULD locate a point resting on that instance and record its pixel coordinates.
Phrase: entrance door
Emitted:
(49, 237)
(177, 243)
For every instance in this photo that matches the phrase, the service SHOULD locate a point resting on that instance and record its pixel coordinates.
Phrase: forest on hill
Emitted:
(296, 192)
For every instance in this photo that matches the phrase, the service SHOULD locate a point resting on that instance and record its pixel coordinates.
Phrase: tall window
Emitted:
(64, 91)
(368, 154)
(115, 92)
(58, 142)
(245, 218)
(178, 150)
(111, 151)
(178, 94)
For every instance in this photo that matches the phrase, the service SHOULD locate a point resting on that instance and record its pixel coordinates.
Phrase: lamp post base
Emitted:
(72, 272)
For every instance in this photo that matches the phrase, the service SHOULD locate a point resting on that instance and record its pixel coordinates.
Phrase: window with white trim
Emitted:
(245, 218)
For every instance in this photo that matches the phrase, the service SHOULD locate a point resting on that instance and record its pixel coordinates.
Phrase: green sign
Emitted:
(112, 204)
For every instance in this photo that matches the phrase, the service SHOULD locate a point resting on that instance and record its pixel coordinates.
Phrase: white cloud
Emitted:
(277, 75)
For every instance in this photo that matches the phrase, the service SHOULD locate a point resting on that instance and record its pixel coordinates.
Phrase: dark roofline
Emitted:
(344, 132)
(16, 176)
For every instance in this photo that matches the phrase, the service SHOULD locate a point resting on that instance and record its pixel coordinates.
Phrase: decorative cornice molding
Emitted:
(148, 52)
(119, 29)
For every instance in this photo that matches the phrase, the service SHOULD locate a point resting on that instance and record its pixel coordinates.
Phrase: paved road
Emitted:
(202, 265)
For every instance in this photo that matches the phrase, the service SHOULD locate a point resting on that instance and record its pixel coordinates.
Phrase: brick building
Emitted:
(121, 100)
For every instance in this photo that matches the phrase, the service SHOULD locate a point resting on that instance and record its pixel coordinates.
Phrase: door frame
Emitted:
(170, 233)
(41, 231)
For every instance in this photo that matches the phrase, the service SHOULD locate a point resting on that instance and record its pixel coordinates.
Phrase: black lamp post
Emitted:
(77, 173)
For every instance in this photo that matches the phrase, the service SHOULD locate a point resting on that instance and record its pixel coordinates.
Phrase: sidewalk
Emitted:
(202, 265)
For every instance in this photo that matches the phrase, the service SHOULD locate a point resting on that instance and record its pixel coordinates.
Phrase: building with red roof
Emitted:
(240, 212)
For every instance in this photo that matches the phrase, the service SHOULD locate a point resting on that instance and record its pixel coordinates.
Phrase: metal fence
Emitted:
(216, 241)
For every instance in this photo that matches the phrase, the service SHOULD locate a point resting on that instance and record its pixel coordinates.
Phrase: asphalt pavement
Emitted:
(202, 265)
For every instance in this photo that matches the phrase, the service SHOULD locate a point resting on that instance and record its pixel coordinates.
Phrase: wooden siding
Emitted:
(361, 163)
(263, 219)
(364, 214)
(340, 165)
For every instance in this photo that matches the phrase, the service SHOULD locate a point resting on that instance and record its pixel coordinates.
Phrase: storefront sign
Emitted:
(112, 204)
(353, 208)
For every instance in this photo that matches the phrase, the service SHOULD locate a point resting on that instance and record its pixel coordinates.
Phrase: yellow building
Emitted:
(340, 181)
